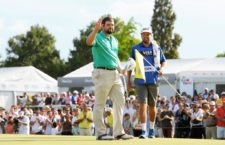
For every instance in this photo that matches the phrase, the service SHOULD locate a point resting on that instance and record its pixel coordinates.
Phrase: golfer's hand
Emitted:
(98, 25)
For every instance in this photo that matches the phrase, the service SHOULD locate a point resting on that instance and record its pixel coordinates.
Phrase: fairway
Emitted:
(83, 140)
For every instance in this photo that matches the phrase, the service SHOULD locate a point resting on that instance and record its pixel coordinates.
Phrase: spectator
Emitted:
(213, 96)
(196, 120)
(173, 104)
(24, 123)
(127, 125)
(85, 119)
(36, 123)
(55, 99)
(48, 99)
(9, 129)
(55, 129)
(205, 94)
(182, 121)
(74, 97)
(2, 120)
(220, 116)
(67, 126)
(48, 123)
(67, 99)
(166, 117)
(109, 121)
(210, 120)
(75, 128)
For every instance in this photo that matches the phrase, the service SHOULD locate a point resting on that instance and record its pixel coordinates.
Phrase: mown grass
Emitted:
(83, 140)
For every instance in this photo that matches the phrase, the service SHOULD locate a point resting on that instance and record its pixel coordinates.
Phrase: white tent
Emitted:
(183, 74)
(196, 74)
(78, 78)
(15, 80)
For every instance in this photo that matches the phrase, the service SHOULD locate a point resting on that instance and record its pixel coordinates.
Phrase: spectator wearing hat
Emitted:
(220, 116)
(210, 120)
(74, 97)
(147, 89)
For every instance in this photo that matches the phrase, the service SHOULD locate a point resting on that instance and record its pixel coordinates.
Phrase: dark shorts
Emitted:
(147, 94)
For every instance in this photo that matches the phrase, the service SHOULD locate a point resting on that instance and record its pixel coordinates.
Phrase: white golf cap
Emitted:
(75, 92)
(146, 30)
(213, 103)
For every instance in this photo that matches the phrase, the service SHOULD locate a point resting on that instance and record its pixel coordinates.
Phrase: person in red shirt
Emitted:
(220, 116)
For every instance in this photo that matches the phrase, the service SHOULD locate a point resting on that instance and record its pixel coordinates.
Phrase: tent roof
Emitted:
(173, 66)
(83, 71)
(197, 68)
(195, 65)
(27, 78)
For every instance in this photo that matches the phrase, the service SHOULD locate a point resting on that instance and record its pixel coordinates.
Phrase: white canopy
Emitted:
(26, 79)
(202, 68)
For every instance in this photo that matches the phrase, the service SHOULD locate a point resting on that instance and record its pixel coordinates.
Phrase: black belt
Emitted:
(105, 68)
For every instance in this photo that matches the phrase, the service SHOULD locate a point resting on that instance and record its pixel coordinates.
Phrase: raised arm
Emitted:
(92, 35)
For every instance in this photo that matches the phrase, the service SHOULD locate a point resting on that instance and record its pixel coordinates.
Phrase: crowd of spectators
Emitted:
(199, 116)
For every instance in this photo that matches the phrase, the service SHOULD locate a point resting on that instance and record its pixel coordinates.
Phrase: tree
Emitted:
(163, 25)
(36, 48)
(82, 55)
(221, 54)
(125, 35)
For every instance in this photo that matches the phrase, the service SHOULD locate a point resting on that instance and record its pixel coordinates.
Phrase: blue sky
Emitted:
(200, 22)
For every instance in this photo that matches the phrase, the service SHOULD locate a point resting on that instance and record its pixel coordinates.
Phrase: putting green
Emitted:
(84, 140)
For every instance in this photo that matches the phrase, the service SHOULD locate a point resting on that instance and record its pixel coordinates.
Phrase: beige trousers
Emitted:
(108, 83)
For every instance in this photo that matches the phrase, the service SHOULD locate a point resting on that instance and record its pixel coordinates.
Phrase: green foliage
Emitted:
(125, 35)
(163, 25)
(221, 54)
(82, 54)
(36, 48)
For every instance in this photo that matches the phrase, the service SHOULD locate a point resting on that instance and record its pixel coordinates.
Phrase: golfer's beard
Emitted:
(146, 42)
(108, 32)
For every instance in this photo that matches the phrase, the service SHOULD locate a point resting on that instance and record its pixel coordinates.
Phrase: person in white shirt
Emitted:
(55, 130)
(24, 123)
(75, 125)
(48, 123)
(197, 129)
(36, 122)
